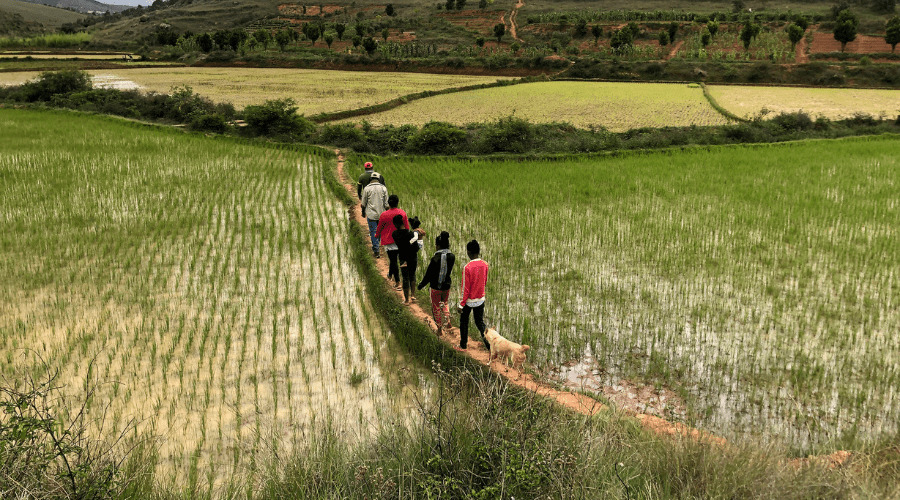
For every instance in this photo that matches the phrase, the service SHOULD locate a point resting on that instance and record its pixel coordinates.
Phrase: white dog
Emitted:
(508, 350)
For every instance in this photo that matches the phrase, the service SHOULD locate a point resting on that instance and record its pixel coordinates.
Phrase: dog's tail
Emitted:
(525, 348)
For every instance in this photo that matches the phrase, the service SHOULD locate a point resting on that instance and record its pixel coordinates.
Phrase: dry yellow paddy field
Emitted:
(315, 91)
(831, 103)
(616, 106)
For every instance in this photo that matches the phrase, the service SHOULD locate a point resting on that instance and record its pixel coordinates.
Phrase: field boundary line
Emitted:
(718, 107)
(405, 99)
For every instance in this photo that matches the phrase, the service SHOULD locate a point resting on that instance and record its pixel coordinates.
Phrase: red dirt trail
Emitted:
(512, 20)
(577, 402)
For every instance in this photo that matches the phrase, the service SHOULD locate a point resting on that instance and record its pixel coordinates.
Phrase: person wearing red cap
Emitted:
(365, 178)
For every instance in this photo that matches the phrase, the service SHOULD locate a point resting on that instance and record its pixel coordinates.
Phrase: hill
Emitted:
(22, 18)
(86, 6)
(183, 15)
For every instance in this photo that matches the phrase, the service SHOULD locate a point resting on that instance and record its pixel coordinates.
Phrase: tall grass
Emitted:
(758, 280)
(52, 41)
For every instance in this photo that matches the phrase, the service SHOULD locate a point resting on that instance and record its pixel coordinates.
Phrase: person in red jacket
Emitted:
(385, 231)
(474, 279)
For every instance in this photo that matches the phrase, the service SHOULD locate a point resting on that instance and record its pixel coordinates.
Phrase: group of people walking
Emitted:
(402, 238)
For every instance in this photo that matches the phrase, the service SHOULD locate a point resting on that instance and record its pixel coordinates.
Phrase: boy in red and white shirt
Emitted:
(474, 280)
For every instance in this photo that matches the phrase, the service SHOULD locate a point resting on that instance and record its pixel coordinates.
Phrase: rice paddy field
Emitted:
(616, 106)
(761, 282)
(315, 91)
(204, 287)
(749, 101)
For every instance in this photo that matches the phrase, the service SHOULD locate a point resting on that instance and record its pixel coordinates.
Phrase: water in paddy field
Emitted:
(211, 298)
(764, 293)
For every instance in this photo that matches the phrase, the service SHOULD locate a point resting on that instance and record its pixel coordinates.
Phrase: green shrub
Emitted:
(277, 119)
(511, 134)
(52, 83)
(209, 123)
(437, 138)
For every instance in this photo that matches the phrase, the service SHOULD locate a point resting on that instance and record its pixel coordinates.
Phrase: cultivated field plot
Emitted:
(616, 106)
(830, 103)
(315, 91)
(764, 281)
(206, 288)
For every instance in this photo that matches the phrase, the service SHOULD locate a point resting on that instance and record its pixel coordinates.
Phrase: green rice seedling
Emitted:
(156, 253)
(758, 281)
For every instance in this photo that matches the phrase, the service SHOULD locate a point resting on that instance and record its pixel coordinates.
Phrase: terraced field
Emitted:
(830, 103)
(616, 106)
(315, 91)
(204, 287)
(760, 281)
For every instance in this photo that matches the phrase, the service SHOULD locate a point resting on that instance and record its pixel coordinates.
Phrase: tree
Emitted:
(663, 38)
(236, 37)
(339, 28)
(737, 6)
(205, 42)
(369, 44)
(705, 38)
(580, 30)
(389, 10)
(482, 4)
(460, 4)
(634, 29)
(264, 38)
(450, 4)
(221, 38)
(357, 41)
(622, 40)
(795, 34)
(283, 38)
(845, 27)
(479, 41)
(801, 21)
(892, 32)
(499, 31)
(673, 30)
(313, 33)
(597, 31)
(748, 33)
(712, 27)
(385, 34)
(329, 39)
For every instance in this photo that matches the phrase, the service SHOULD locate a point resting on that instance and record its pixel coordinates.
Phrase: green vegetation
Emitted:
(742, 276)
(54, 41)
(23, 18)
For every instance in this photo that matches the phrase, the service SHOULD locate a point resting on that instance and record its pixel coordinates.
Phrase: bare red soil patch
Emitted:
(824, 42)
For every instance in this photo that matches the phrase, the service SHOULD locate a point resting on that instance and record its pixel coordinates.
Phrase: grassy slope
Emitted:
(681, 267)
(50, 17)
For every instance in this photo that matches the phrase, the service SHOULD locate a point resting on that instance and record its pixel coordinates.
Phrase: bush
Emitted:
(511, 134)
(209, 123)
(277, 119)
(793, 122)
(437, 138)
(51, 83)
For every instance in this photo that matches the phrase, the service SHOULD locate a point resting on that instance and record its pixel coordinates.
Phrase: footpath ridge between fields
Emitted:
(578, 402)
(574, 401)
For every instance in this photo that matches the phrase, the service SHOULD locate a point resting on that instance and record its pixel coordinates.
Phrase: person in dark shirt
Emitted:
(365, 178)
(407, 256)
(438, 276)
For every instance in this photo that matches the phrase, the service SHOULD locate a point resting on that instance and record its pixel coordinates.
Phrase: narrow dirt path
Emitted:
(577, 402)
(512, 20)
(675, 49)
(800, 55)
